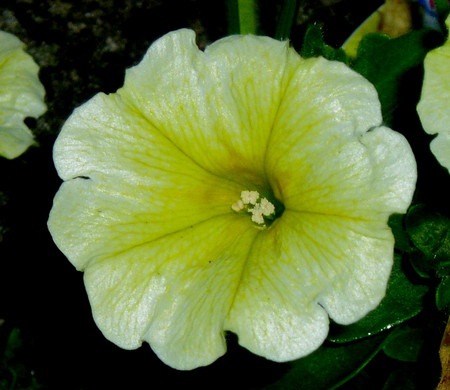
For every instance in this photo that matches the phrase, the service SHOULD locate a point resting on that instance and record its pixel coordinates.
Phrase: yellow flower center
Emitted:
(257, 206)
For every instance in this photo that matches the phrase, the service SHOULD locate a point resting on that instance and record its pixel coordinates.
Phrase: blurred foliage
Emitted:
(15, 370)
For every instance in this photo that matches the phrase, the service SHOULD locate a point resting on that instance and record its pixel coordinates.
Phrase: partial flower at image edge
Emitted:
(21, 96)
(434, 107)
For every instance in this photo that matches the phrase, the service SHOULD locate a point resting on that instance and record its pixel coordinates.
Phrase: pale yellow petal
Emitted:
(440, 147)
(303, 264)
(217, 106)
(339, 177)
(126, 183)
(249, 75)
(355, 257)
(327, 154)
(434, 106)
(21, 96)
(326, 106)
(14, 140)
(275, 312)
(173, 292)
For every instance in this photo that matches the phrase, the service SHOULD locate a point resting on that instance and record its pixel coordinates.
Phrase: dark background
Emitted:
(83, 47)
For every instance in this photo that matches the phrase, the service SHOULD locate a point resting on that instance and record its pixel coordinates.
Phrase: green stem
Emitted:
(233, 17)
(242, 17)
(286, 20)
(248, 16)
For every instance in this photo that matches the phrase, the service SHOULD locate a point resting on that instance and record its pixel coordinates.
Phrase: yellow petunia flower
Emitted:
(434, 106)
(242, 188)
(21, 96)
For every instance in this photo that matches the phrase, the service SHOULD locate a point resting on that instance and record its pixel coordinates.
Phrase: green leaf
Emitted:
(429, 232)
(421, 264)
(330, 366)
(443, 294)
(428, 229)
(385, 62)
(314, 46)
(402, 241)
(403, 301)
(404, 343)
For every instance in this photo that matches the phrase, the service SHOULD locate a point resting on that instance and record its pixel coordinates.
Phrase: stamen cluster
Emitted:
(262, 207)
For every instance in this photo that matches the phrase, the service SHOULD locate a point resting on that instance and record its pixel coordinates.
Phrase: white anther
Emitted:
(267, 208)
(238, 206)
(249, 197)
(257, 217)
